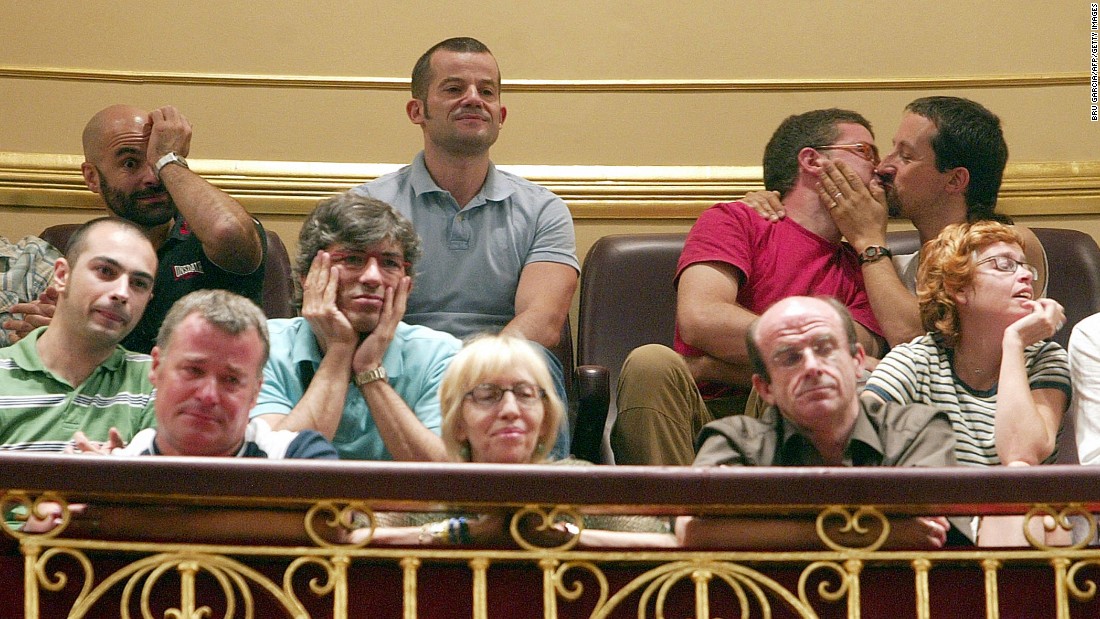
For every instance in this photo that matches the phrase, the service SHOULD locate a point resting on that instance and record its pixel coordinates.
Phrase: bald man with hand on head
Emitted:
(136, 160)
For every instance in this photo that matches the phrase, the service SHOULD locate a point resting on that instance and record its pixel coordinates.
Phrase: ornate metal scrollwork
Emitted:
(747, 585)
(852, 524)
(823, 588)
(20, 507)
(575, 590)
(560, 523)
(1054, 519)
(142, 577)
(1081, 593)
(339, 520)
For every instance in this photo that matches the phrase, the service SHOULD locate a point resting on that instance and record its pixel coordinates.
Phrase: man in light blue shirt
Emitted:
(349, 368)
(500, 251)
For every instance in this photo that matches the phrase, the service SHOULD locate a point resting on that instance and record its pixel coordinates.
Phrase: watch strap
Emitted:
(369, 376)
(874, 253)
(167, 159)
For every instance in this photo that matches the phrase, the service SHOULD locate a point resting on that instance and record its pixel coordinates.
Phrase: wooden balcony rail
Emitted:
(101, 564)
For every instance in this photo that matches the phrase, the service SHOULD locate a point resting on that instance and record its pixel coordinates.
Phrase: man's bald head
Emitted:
(108, 121)
(117, 167)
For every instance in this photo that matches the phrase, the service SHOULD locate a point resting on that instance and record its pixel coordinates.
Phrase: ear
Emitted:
(503, 115)
(415, 111)
(809, 161)
(91, 176)
(962, 295)
(859, 356)
(763, 388)
(61, 273)
(156, 364)
(958, 179)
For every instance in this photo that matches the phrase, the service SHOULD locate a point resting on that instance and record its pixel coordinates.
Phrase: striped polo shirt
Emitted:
(40, 411)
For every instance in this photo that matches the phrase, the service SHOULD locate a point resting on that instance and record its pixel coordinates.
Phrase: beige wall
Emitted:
(684, 84)
(795, 42)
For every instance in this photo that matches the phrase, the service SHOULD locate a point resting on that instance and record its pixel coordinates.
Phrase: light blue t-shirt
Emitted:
(466, 279)
(415, 362)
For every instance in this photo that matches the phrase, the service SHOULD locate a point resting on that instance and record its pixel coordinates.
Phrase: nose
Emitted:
(509, 406)
(1024, 273)
(472, 96)
(207, 390)
(886, 167)
(121, 290)
(810, 362)
(149, 177)
(372, 273)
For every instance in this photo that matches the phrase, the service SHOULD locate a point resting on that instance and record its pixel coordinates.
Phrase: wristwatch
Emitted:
(167, 159)
(369, 376)
(874, 253)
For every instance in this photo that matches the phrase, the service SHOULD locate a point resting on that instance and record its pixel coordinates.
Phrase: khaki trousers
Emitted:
(660, 410)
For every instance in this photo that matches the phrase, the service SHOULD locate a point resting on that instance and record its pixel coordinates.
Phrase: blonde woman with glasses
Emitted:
(499, 407)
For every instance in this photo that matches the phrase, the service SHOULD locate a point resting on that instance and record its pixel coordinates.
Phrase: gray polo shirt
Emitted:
(466, 280)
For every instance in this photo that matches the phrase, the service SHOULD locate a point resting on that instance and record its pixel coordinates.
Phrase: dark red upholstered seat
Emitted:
(627, 300)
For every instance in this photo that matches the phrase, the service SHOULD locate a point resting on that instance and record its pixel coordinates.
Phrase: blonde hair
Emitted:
(947, 266)
(488, 355)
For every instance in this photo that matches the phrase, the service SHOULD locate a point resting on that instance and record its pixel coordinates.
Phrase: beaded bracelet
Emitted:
(451, 531)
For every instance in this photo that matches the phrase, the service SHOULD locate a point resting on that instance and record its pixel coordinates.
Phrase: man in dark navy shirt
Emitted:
(203, 237)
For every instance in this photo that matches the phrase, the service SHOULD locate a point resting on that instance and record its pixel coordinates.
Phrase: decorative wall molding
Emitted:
(333, 82)
(45, 181)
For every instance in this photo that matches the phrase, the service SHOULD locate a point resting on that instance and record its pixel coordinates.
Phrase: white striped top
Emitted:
(920, 371)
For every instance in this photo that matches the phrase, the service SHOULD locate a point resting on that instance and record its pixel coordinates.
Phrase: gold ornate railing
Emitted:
(198, 571)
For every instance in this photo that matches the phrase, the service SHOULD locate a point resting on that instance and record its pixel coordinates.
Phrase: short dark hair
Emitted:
(227, 311)
(422, 71)
(79, 239)
(756, 358)
(813, 128)
(968, 136)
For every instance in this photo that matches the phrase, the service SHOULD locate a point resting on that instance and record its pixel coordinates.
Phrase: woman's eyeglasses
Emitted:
(487, 395)
(1008, 264)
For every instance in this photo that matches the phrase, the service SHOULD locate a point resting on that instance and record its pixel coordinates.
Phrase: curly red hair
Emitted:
(947, 266)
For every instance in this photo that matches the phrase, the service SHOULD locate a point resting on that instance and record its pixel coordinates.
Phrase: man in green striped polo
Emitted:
(73, 375)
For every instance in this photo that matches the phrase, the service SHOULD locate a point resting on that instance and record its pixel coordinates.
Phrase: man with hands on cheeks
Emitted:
(203, 237)
(806, 363)
(945, 168)
(349, 367)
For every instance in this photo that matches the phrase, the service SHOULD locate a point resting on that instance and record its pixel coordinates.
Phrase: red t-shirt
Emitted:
(776, 260)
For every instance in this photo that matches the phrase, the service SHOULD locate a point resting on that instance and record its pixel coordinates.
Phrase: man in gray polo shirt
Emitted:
(499, 251)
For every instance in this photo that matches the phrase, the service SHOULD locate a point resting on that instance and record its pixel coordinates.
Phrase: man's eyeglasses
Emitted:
(355, 262)
(863, 149)
(1008, 264)
(487, 395)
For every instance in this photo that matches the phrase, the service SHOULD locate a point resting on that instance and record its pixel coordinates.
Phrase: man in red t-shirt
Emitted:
(734, 265)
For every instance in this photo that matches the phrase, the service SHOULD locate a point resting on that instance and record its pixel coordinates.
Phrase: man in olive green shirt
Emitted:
(806, 366)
